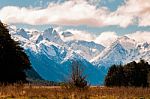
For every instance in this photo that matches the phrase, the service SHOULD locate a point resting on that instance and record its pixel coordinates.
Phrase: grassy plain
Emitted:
(56, 92)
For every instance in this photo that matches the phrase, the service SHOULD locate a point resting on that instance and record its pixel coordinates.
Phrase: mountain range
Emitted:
(51, 56)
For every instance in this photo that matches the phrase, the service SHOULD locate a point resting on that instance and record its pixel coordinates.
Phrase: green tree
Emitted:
(115, 76)
(131, 74)
(13, 60)
(137, 73)
(144, 68)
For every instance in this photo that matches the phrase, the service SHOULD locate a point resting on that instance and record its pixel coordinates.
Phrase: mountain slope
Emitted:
(51, 57)
(87, 49)
(122, 51)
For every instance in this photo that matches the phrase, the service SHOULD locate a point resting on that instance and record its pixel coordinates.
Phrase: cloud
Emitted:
(67, 13)
(79, 35)
(132, 9)
(80, 12)
(140, 36)
(106, 38)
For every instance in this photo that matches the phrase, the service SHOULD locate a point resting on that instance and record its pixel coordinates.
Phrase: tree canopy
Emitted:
(13, 60)
(131, 74)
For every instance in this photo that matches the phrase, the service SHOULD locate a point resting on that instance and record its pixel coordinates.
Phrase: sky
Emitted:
(94, 17)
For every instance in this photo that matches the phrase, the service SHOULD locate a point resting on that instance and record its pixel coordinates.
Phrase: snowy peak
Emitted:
(114, 54)
(67, 34)
(144, 45)
(126, 42)
(86, 49)
(52, 35)
(124, 38)
(49, 54)
(122, 51)
(22, 33)
(50, 43)
(50, 32)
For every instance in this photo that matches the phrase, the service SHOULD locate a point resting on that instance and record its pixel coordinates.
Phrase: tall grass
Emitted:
(48, 92)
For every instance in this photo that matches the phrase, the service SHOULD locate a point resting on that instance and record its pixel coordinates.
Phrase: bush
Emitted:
(77, 78)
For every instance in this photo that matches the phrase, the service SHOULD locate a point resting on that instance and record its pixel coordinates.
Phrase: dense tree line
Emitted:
(13, 60)
(132, 74)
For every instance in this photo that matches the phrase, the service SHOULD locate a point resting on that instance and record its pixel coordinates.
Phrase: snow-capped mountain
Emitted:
(51, 57)
(122, 51)
(87, 49)
(116, 53)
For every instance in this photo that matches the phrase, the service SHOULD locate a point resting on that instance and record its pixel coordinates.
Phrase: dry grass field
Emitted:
(47, 92)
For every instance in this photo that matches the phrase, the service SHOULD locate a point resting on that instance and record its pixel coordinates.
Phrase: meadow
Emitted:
(56, 92)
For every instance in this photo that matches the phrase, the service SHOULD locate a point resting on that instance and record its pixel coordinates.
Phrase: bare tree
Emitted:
(77, 79)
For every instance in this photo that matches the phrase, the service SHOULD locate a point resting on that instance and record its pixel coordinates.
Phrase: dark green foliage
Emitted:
(131, 74)
(116, 76)
(137, 73)
(77, 79)
(13, 60)
(148, 79)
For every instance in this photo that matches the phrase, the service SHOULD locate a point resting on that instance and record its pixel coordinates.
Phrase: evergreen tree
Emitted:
(13, 60)
(144, 68)
(115, 76)
(131, 74)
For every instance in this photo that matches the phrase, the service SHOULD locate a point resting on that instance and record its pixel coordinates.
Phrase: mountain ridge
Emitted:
(50, 55)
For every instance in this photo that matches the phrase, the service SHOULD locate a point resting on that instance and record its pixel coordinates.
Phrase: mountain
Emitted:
(51, 57)
(86, 49)
(67, 34)
(116, 53)
(122, 51)
(33, 75)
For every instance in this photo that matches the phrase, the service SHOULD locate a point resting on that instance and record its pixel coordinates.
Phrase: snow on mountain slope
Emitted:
(142, 51)
(114, 54)
(122, 51)
(126, 42)
(87, 49)
(51, 57)
(22, 33)
(52, 35)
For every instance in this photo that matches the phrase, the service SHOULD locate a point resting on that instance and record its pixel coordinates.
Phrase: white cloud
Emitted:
(106, 38)
(79, 35)
(145, 19)
(68, 13)
(139, 9)
(79, 12)
(140, 36)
